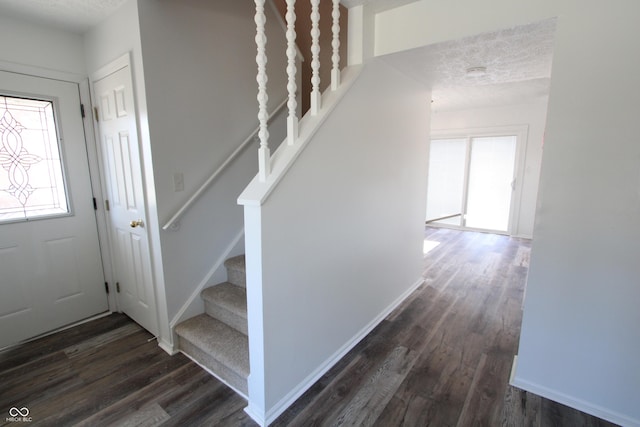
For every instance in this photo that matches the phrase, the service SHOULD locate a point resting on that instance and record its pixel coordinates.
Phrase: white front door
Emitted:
(50, 264)
(118, 135)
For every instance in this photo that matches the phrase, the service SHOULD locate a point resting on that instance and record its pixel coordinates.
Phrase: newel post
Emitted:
(264, 155)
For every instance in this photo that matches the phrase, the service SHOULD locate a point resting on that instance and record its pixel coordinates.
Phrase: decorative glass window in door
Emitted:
(31, 177)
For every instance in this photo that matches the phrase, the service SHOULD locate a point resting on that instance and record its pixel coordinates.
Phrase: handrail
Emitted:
(218, 171)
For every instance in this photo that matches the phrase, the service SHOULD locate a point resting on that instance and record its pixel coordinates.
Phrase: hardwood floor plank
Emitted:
(147, 416)
(521, 409)
(100, 394)
(365, 407)
(20, 354)
(443, 358)
(162, 389)
(95, 344)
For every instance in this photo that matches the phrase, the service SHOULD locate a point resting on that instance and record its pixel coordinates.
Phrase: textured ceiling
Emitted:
(72, 15)
(517, 61)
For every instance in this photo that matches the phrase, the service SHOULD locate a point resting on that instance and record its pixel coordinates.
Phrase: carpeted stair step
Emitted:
(236, 271)
(227, 303)
(220, 349)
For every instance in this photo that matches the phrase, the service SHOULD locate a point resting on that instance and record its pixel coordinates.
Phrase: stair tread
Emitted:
(222, 342)
(228, 296)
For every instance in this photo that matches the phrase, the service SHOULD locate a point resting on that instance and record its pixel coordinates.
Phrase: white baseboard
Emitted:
(169, 348)
(255, 415)
(273, 413)
(579, 404)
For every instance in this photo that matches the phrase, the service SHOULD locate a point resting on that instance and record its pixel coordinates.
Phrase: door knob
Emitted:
(136, 223)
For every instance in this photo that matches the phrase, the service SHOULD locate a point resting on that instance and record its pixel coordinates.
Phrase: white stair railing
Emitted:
(315, 57)
(172, 223)
(264, 156)
(292, 119)
(335, 45)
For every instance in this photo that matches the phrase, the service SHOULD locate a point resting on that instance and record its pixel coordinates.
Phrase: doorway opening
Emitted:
(472, 181)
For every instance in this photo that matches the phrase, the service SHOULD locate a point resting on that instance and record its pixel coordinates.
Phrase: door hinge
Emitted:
(106, 205)
(95, 204)
(95, 113)
(82, 110)
(118, 287)
(106, 287)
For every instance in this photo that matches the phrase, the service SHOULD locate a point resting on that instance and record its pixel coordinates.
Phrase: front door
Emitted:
(50, 263)
(127, 215)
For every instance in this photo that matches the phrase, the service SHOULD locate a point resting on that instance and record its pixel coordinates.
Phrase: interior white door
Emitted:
(50, 262)
(127, 216)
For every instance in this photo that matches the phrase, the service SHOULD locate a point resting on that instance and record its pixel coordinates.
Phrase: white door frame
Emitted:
(521, 132)
(165, 334)
(92, 154)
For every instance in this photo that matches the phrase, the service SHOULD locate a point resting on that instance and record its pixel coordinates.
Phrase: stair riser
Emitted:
(232, 378)
(234, 320)
(237, 277)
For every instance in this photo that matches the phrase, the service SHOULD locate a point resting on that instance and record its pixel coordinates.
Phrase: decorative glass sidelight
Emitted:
(31, 173)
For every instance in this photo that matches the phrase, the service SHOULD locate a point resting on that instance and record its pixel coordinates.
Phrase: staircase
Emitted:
(217, 340)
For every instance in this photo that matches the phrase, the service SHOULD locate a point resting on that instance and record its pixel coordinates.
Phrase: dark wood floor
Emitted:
(442, 359)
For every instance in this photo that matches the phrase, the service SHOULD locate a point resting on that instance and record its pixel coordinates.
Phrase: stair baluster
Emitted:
(292, 104)
(315, 57)
(264, 155)
(335, 44)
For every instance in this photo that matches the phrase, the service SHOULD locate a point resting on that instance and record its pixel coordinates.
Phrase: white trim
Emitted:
(46, 73)
(579, 404)
(113, 66)
(98, 189)
(255, 415)
(205, 281)
(168, 347)
(305, 384)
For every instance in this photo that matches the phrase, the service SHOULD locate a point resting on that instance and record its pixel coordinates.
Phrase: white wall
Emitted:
(580, 341)
(341, 235)
(199, 72)
(34, 45)
(534, 116)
